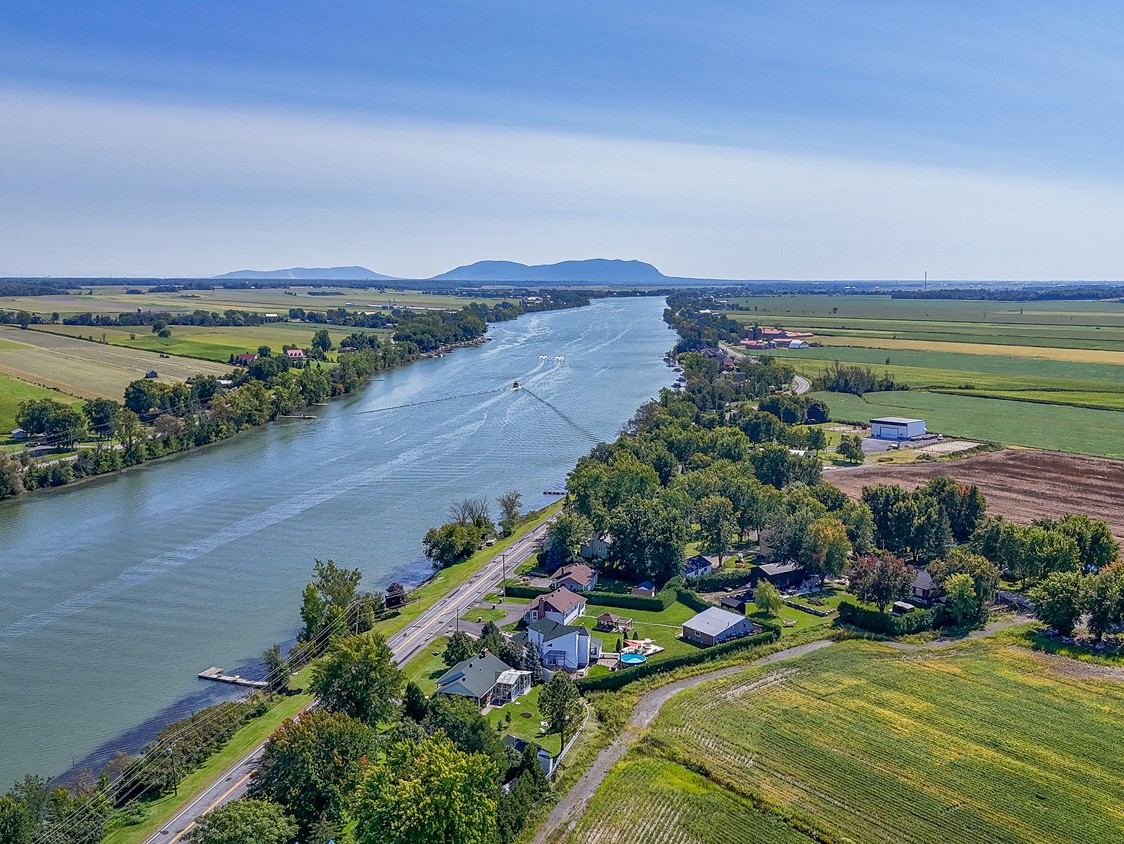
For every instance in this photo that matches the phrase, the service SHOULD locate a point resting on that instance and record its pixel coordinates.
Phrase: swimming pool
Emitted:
(633, 659)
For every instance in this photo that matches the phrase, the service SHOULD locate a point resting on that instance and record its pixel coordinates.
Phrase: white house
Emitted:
(562, 645)
(561, 605)
(715, 625)
(596, 547)
(698, 565)
(896, 428)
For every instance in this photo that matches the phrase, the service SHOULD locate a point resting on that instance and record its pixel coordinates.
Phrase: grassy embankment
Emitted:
(151, 816)
(870, 743)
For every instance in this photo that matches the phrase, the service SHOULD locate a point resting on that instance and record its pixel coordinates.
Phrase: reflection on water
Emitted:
(115, 593)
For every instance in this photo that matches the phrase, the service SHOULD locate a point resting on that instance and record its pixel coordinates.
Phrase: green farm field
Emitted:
(867, 320)
(216, 343)
(1080, 430)
(88, 370)
(112, 299)
(1004, 376)
(13, 391)
(862, 742)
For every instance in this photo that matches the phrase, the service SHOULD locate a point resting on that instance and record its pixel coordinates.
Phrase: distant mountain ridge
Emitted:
(609, 270)
(595, 270)
(311, 274)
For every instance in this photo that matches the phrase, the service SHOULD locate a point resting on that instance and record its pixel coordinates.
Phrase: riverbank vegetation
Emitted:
(159, 418)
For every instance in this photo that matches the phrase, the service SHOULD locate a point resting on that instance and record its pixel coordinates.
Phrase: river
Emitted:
(114, 594)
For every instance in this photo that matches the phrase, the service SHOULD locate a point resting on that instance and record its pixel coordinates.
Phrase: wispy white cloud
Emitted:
(113, 187)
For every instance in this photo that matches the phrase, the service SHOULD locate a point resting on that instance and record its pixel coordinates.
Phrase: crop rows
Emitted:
(652, 801)
(981, 744)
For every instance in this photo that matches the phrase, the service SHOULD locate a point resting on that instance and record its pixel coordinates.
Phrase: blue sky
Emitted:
(739, 140)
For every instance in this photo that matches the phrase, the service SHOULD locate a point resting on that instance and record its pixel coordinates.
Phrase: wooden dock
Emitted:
(215, 673)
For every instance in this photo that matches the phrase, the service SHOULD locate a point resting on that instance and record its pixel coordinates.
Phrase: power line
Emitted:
(155, 756)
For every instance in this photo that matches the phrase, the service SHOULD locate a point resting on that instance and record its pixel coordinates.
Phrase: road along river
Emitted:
(115, 593)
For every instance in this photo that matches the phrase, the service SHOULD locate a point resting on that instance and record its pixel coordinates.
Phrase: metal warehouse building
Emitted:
(896, 428)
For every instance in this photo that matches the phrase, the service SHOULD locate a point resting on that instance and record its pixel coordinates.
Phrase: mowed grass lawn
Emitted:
(216, 343)
(861, 742)
(1074, 429)
(13, 391)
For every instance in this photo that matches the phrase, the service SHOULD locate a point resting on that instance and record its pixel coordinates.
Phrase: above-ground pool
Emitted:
(633, 659)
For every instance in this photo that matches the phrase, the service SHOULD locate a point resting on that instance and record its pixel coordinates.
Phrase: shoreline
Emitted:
(441, 351)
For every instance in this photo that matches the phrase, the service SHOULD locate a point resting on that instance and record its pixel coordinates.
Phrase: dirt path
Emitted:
(570, 808)
(989, 629)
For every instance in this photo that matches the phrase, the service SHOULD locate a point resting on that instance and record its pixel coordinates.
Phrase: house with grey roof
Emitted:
(486, 679)
(715, 625)
(562, 645)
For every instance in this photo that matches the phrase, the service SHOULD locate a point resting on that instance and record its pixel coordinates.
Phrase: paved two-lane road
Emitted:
(435, 621)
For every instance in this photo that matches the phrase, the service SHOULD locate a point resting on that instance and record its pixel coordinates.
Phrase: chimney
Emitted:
(483, 652)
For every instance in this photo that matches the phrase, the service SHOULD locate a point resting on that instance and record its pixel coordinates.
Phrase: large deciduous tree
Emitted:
(311, 766)
(245, 821)
(649, 538)
(881, 579)
(427, 791)
(717, 524)
(1058, 601)
(358, 676)
(560, 705)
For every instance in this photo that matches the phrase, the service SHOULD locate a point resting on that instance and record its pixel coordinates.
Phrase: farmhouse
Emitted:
(561, 605)
(486, 679)
(781, 575)
(576, 578)
(896, 428)
(698, 565)
(294, 354)
(562, 645)
(596, 547)
(923, 588)
(245, 359)
(715, 625)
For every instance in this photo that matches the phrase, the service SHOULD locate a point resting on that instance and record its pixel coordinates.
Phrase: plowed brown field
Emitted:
(1019, 485)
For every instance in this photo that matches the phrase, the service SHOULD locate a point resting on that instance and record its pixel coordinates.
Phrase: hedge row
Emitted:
(822, 613)
(659, 603)
(887, 623)
(622, 677)
(724, 580)
(691, 599)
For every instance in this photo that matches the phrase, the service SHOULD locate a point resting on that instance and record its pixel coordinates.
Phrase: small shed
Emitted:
(896, 428)
(902, 607)
(923, 588)
(151, 374)
(647, 589)
(18, 434)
